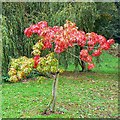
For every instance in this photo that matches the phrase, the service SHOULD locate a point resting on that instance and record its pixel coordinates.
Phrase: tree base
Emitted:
(51, 112)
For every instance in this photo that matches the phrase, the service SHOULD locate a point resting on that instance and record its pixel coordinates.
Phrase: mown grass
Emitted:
(80, 95)
(107, 64)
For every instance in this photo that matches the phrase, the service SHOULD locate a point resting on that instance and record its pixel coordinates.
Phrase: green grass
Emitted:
(80, 95)
(108, 64)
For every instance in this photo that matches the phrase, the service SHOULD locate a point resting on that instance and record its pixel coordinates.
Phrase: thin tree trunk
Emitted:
(54, 92)
(51, 105)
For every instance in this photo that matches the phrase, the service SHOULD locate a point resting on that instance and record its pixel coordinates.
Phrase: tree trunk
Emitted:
(51, 105)
(54, 92)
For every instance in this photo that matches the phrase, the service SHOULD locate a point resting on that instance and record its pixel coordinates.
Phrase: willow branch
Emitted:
(75, 57)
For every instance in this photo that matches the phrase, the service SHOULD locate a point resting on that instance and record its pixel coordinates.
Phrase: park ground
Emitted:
(92, 94)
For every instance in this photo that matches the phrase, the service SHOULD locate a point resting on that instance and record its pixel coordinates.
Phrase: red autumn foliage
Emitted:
(68, 35)
(36, 60)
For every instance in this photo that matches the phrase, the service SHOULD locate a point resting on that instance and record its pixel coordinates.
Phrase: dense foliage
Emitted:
(102, 19)
(68, 36)
(22, 67)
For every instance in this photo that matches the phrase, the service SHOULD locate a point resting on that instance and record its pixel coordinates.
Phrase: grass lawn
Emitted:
(80, 95)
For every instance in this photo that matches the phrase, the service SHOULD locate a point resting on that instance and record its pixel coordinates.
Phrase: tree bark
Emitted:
(54, 92)
(51, 105)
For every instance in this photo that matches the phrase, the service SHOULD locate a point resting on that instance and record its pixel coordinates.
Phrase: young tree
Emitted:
(63, 37)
